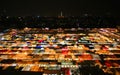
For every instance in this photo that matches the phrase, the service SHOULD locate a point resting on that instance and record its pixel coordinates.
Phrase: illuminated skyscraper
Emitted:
(61, 14)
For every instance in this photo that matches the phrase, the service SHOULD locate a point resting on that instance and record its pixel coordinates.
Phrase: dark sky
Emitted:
(53, 7)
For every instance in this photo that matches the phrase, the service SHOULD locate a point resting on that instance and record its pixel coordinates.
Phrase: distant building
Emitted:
(61, 15)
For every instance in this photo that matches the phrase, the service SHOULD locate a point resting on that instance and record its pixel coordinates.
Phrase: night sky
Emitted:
(53, 7)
